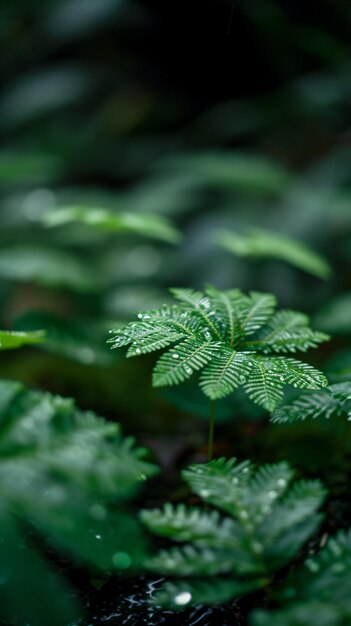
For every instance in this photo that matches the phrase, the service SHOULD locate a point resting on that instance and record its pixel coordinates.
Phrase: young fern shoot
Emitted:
(237, 340)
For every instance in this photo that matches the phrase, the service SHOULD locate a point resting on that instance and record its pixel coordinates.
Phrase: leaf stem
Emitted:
(211, 430)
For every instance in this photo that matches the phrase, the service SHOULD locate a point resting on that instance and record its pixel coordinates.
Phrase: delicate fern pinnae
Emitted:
(235, 339)
(334, 401)
(261, 524)
(226, 372)
(200, 303)
(178, 364)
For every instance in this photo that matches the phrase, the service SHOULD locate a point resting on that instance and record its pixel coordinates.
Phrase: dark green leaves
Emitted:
(232, 337)
(62, 473)
(334, 401)
(265, 524)
(319, 592)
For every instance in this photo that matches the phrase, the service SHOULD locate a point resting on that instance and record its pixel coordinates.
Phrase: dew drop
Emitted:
(272, 494)
(98, 537)
(235, 480)
(188, 369)
(97, 511)
(137, 351)
(257, 547)
(121, 560)
(281, 482)
(175, 355)
(204, 493)
(140, 316)
(182, 598)
(312, 565)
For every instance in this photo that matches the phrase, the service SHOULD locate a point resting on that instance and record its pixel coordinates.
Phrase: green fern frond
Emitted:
(319, 592)
(334, 401)
(254, 311)
(287, 331)
(235, 338)
(68, 474)
(227, 370)
(265, 523)
(178, 364)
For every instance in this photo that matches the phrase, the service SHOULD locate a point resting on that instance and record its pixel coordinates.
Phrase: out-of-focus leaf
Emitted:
(75, 339)
(9, 340)
(39, 92)
(47, 266)
(62, 473)
(335, 316)
(243, 172)
(27, 167)
(153, 226)
(263, 244)
(30, 591)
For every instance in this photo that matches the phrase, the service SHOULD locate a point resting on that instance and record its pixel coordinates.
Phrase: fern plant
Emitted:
(319, 592)
(65, 479)
(258, 524)
(235, 339)
(333, 401)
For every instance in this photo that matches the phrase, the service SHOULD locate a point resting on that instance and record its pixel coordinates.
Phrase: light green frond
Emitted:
(227, 370)
(179, 364)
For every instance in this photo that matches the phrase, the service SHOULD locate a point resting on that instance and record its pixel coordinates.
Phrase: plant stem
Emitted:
(211, 430)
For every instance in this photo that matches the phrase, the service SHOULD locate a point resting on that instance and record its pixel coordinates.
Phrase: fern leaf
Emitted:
(335, 400)
(255, 310)
(214, 329)
(201, 305)
(266, 523)
(287, 331)
(219, 482)
(226, 371)
(225, 302)
(318, 592)
(263, 388)
(182, 523)
(188, 560)
(177, 365)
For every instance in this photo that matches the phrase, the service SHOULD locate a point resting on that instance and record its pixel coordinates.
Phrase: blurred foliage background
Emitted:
(147, 144)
